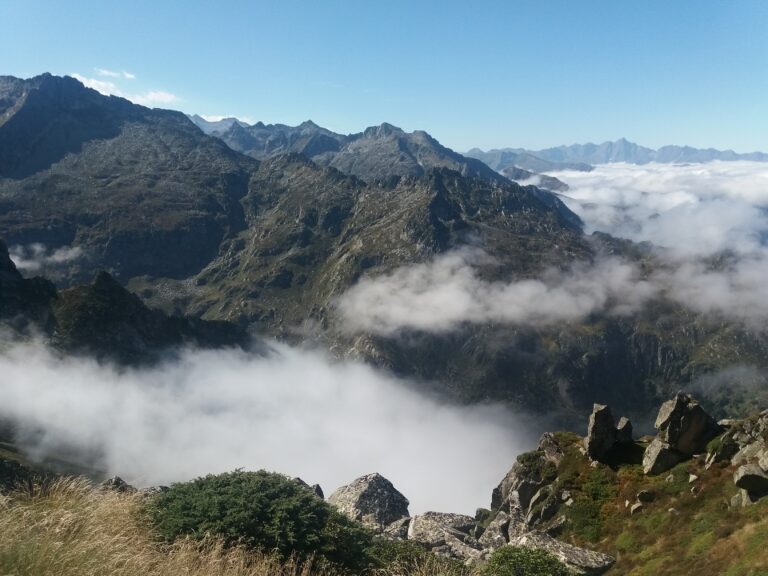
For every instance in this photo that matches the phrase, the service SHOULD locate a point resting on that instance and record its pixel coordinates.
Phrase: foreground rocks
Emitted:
(373, 501)
(603, 434)
(684, 430)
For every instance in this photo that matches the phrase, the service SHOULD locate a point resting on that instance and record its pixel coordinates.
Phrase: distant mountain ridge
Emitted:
(621, 150)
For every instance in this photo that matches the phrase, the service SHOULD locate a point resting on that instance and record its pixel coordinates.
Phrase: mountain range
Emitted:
(265, 227)
(582, 156)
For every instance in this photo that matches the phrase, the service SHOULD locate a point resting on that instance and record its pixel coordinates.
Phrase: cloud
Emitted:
(113, 74)
(691, 209)
(440, 295)
(296, 412)
(36, 257)
(108, 88)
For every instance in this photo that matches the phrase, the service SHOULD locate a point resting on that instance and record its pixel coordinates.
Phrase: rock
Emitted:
(551, 450)
(624, 431)
(635, 508)
(580, 560)
(318, 491)
(752, 478)
(152, 491)
(645, 496)
(398, 530)
(601, 432)
(116, 484)
(528, 475)
(497, 532)
(446, 534)
(692, 478)
(684, 425)
(669, 479)
(762, 459)
(660, 457)
(557, 526)
(742, 499)
(371, 500)
(673, 511)
(565, 495)
(750, 450)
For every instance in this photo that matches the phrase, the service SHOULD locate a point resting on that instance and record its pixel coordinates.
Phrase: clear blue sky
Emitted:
(530, 73)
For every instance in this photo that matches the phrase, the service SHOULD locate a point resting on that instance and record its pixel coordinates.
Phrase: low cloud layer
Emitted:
(691, 209)
(34, 258)
(295, 412)
(442, 294)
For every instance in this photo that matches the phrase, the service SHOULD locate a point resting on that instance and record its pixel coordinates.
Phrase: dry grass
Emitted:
(68, 529)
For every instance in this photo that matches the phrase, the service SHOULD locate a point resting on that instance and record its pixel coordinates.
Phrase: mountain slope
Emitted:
(138, 190)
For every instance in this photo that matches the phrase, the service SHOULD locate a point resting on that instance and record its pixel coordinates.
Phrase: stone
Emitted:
(692, 478)
(762, 459)
(645, 496)
(579, 560)
(660, 457)
(669, 479)
(635, 508)
(152, 491)
(624, 431)
(557, 526)
(684, 425)
(750, 450)
(673, 511)
(551, 450)
(446, 534)
(752, 478)
(117, 484)
(398, 530)
(371, 500)
(601, 432)
(496, 534)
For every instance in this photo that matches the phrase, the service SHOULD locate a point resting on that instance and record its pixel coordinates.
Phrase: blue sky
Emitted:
(490, 73)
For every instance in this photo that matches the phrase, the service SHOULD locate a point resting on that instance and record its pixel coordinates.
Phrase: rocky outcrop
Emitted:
(603, 434)
(684, 430)
(579, 560)
(753, 479)
(371, 500)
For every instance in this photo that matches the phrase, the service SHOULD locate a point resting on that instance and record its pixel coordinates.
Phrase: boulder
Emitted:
(446, 534)
(398, 530)
(660, 457)
(579, 560)
(371, 500)
(685, 426)
(752, 478)
(601, 432)
(497, 532)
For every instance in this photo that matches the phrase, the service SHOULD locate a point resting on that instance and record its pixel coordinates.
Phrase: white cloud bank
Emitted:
(295, 412)
(33, 258)
(113, 74)
(694, 211)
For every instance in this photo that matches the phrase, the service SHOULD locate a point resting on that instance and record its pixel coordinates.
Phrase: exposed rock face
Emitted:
(496, 534)
(371, 500)
(580, 560)
(117, 484)
(624, 430)
(684, 430)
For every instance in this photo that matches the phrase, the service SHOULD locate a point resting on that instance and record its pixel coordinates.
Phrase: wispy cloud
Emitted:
(110, 88)
(113, 74)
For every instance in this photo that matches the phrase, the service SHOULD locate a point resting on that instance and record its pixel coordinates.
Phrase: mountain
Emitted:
(624, 151)
(506, 158)
(195, 228)
(218, 126)
(102, 319)
(140, 191)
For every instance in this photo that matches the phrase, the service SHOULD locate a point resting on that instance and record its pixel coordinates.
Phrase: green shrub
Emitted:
(263, 510)
(518, 561)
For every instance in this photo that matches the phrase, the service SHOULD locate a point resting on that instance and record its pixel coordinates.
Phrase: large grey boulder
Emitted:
(371, 500)
(496, 534)
(684, 425)
(752, 478)
(660, 457)
(579, 560)
(684, 430)
(601, 432)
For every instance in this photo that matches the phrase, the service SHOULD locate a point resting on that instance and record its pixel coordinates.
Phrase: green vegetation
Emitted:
(515, 561)
(262, 510)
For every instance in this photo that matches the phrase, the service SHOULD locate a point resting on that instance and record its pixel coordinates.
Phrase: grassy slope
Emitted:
(701, 535)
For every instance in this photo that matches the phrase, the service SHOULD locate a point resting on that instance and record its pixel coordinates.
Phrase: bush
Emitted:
(262, 510)
(518, 561)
